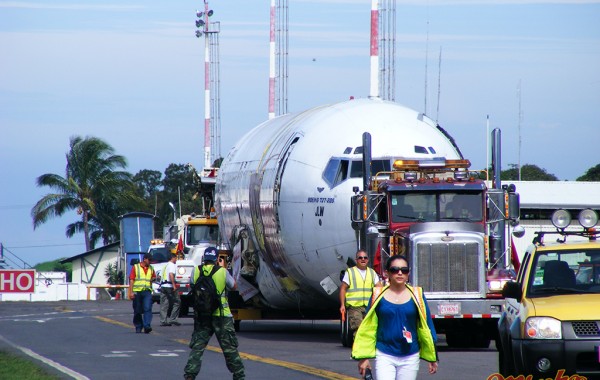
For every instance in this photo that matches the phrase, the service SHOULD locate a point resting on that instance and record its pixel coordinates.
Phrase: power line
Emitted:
(43, 246)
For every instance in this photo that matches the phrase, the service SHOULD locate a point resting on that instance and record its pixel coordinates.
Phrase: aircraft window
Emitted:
(331, 171)
(356, 170)
(358, 150)
(420, 149)
(342, 173)
(431, 150)
(348, 150)
(380, 166)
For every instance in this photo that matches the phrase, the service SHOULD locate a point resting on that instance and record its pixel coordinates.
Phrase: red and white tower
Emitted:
(212, 110)
(383, 49)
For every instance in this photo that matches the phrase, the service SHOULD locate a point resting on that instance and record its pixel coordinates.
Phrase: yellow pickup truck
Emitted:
(550, 325)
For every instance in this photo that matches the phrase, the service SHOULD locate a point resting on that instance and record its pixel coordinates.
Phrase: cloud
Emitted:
(460, 2)
(72, 7)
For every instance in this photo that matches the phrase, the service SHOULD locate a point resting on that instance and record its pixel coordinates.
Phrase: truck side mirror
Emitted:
(512, 290)
(513, 206)
(357, 209)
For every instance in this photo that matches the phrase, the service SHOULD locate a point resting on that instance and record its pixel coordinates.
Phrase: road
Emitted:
(96, 340)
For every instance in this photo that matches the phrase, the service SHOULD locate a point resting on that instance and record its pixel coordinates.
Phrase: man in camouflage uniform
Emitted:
(220, 323)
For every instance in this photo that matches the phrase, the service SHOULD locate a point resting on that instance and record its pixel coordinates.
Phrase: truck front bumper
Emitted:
(575, 357)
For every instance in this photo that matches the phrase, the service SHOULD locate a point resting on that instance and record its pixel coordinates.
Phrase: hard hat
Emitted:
(210, 254)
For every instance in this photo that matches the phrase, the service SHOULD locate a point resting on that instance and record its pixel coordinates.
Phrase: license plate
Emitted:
(448, 308)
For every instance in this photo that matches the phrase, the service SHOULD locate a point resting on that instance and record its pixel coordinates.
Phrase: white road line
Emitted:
(51, 363)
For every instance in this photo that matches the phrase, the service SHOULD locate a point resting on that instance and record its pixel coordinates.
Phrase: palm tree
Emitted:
(89, 186)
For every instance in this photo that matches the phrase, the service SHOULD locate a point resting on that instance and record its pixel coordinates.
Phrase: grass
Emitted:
(14, 367)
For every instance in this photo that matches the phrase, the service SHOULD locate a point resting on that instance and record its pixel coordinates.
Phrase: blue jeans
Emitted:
(142, 310)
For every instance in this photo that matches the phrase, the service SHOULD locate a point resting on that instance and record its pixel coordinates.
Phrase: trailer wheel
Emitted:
(480, 341)
(345, 333)
(457, 340)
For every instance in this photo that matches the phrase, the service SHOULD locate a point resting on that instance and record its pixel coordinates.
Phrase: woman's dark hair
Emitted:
(389, 261)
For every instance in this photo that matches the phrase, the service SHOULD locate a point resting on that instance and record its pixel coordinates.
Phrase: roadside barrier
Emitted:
(89, 287)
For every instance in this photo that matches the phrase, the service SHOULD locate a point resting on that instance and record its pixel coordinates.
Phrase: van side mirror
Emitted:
(512, 290)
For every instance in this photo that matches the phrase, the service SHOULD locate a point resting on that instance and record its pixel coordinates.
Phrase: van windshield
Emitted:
(564, 272)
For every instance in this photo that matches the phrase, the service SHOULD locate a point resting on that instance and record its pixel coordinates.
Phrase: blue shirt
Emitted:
(392, 320)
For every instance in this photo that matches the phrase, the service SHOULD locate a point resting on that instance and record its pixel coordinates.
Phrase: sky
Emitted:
(131, 72)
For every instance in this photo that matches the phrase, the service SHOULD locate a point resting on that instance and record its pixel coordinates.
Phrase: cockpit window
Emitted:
(336, 171)
(356, 169)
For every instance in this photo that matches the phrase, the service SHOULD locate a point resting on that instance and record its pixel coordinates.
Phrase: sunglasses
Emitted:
(395, 270)
(362, 258)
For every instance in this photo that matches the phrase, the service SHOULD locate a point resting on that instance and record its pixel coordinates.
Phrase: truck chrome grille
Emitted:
(448, 267)
(586, 328)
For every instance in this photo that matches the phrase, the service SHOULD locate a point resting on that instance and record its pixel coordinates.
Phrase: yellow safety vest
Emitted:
(359, 295)
(220, 283)
(143, 281)
(366, 336)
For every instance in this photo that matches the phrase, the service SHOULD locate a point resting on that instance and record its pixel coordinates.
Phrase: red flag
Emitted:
(180, 245)
(377, 260)
(513, 255)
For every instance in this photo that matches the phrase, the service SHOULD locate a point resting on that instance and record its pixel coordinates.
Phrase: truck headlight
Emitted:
(496, 285)
(543, 328)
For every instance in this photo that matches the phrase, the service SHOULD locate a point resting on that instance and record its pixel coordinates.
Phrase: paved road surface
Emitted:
(96, 340)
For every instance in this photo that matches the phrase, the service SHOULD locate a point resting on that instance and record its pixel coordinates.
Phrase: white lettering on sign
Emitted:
(17, 281)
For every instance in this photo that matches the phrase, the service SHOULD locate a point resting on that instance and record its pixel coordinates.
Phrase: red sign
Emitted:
(17, 281)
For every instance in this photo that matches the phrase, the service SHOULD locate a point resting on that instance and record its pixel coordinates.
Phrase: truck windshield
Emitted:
(159, 255)
(197, 234)
(437, 206)
(565, 272)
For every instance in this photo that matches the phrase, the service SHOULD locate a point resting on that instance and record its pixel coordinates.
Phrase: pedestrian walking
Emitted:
(397, 330)
(140, 292)
(219, 323)
(356, 291)
(169, 296)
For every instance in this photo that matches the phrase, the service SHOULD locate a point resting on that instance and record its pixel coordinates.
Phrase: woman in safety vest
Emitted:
(397, 330)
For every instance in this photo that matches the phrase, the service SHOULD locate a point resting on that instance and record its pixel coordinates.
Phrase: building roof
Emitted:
(108, 247)
(558, 194)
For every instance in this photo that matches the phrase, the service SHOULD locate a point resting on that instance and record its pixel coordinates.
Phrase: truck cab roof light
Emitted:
(561, 218)
(588, 218)
(410, 176)
(459, 164)
(460, 175)
(406, 165)
(435, 164)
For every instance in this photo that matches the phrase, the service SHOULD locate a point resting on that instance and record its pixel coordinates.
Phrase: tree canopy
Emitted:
(93, 187)
(528, 173)
(592, 174)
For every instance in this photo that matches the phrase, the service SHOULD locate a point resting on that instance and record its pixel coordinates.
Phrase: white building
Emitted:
(539, 199)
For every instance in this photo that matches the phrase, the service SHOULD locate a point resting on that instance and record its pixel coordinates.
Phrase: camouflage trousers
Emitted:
(223, 328)
(355, 315)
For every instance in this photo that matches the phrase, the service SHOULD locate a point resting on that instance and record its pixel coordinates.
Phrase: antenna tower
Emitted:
(212, 84)
(519, 125)
(278, 58)
(387, 49)
(437, 113)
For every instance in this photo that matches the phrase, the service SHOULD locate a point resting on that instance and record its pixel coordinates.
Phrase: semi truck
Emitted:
(453, 230)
